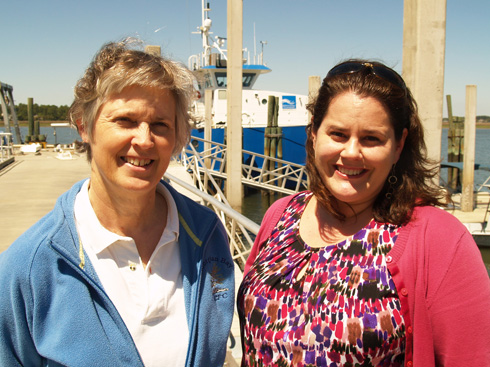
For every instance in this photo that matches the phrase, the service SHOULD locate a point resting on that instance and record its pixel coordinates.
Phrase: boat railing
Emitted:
(258, 170)
(6, 146)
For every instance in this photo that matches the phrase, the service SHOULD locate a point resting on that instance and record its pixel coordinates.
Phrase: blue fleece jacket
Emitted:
(55, 312)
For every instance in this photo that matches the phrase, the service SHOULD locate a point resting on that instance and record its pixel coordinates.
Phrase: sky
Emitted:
(45, 46)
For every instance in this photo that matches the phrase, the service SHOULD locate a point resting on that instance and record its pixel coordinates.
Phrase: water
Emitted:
(64, 135)
(482, 154)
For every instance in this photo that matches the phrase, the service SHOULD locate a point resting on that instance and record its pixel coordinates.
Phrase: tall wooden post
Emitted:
(271, 107)
(30, 119)
(469, 150)
(424, 38)
(234, 188)
(208, 104)
(455, 136)
(314, 84)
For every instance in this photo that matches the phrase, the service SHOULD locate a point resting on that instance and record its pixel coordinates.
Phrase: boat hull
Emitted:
(293, 141)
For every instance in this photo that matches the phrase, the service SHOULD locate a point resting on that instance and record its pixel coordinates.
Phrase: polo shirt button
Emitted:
(404, 292)
(389, 259)
(409, 330)
(409, 364)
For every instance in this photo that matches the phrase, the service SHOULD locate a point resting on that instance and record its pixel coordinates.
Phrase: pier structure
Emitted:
(8, 110)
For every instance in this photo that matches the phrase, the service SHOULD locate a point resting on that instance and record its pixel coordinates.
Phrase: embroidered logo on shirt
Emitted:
(216, 283)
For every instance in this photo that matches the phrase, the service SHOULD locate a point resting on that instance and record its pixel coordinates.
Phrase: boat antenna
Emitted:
(255, 46)
(262, 53)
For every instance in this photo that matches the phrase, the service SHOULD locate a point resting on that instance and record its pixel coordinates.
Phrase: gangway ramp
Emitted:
(258, 170)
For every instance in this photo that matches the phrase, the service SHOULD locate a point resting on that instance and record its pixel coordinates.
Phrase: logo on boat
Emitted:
(288, 102)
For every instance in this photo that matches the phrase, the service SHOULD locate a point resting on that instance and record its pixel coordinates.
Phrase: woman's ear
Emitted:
(81, 131)
(401, 144)
(313, 134)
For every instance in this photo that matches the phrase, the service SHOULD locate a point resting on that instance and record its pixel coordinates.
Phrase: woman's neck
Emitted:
(319, 227)
(141, 217)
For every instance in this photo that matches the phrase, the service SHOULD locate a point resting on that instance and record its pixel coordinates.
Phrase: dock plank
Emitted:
(29, 188)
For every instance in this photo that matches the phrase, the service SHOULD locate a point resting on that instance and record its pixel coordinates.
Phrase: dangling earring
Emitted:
(392, 180)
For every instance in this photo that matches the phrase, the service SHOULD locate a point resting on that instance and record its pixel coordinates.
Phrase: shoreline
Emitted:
(479, 125)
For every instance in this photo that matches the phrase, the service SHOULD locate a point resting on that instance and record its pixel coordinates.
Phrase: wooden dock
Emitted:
(30, 186)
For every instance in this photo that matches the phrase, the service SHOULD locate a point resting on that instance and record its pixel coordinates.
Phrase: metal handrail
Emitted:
(273, 174)
(247, 223)
(241, 231)
(6, 151)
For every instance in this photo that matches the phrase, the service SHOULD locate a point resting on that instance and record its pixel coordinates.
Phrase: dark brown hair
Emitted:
(414, 171)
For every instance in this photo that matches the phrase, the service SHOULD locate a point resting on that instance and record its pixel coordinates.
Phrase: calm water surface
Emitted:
(64, 135)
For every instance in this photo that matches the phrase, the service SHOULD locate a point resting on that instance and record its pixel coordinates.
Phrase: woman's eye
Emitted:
(124, 120)
(337, 134)
(160, 127)
(372, 138)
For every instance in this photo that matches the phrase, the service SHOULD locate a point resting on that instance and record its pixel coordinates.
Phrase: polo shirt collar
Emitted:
(98, 238)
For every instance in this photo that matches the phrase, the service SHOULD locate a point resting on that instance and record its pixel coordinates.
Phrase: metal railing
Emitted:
(207, 169)
(259, 171)
(241, 231)
(6, 146)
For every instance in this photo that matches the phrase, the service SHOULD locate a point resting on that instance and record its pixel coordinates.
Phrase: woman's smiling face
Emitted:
(355, 148)
(133, 139)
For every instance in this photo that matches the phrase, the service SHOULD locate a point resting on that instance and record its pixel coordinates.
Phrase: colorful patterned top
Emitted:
(344, 310)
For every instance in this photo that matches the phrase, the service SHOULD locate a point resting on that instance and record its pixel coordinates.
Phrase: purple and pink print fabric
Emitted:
(331, 306)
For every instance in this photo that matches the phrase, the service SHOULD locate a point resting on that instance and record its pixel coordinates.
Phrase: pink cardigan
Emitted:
(442, 283)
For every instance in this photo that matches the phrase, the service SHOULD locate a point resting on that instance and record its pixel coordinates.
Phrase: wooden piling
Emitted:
(273, 134)
(267, 134)
(234, 74)
(467, 202)
(30, 118)
(455, 143)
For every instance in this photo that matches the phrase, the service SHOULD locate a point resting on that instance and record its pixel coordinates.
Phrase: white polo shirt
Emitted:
(151, 300)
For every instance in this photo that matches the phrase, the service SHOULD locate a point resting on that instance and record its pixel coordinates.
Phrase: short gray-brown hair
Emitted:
(118, 65)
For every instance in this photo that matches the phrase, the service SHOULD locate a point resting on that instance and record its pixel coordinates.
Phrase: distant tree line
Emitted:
(483, 118)
(479, 118)
(43, 112)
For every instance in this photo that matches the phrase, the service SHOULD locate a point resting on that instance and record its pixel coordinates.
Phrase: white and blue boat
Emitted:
(210, 69)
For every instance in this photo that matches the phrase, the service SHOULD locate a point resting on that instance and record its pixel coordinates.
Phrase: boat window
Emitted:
(248, 79)
(221, 80)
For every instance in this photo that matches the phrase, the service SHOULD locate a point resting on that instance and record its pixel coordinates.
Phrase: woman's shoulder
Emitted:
(434, 216)
(277, 208)
(437, 226)
(284, 201)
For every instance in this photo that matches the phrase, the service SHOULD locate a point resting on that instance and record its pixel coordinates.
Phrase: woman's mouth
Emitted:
(138, 162)
(350, 171)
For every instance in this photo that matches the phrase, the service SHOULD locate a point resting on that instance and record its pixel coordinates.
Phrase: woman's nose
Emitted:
(143, 136)
(352, 149)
